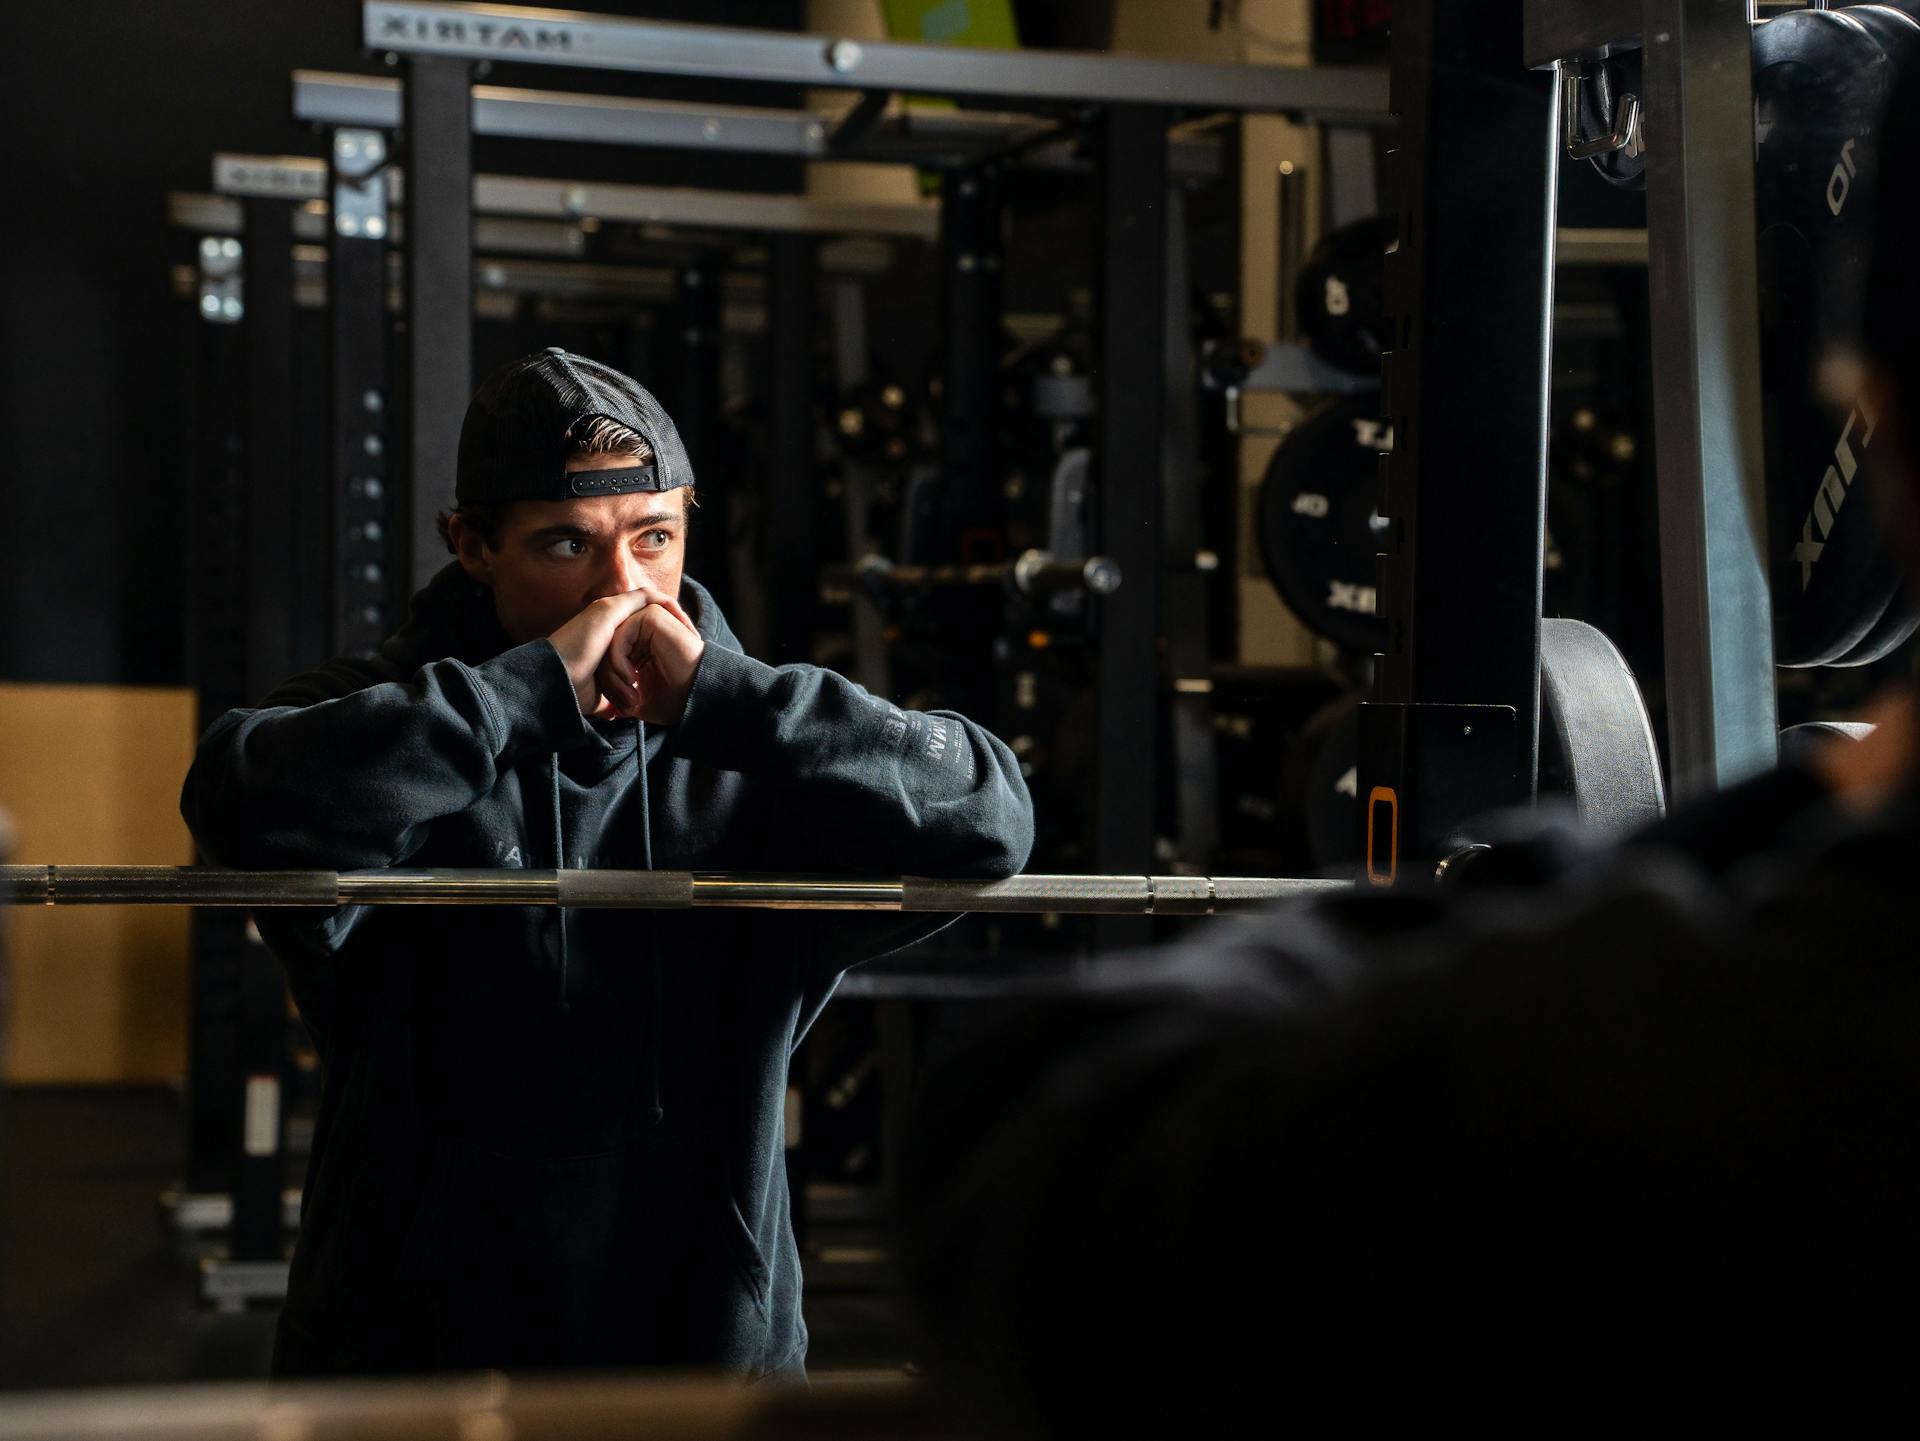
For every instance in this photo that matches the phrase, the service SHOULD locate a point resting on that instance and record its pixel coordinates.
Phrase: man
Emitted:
(1599, 1131)
(552, 1138)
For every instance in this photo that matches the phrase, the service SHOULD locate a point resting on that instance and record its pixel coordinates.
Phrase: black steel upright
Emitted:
(1132, 320)
(972, 218)
(217, 662)
(260, 1176)
(1183, 603)
(1454, 729)
(274, 535)
(439, 200)
(696, 412)
(1703, 282)
(366, 589)
(270, 510)
(791, 507)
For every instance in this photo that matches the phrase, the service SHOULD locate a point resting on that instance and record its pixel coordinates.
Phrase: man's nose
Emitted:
(621, 572)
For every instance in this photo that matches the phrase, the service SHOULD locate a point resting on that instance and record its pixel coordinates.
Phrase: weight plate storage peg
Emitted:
(1607, 87)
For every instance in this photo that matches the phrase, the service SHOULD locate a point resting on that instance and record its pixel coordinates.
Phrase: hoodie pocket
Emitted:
(611, 1259)
(749, 1264)
(520, 1261)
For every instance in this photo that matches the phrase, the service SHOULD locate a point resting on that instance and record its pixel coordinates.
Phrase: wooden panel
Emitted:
(1260, 32)
(91, 774)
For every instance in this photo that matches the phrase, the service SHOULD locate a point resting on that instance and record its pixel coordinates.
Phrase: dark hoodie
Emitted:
(552, 1138)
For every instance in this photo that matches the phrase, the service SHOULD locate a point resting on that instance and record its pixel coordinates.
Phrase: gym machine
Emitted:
(1703, 273)
(1753, 138)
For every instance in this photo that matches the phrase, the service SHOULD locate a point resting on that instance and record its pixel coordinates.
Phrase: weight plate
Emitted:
(1320, 525)
(1596, 740)
(1321, 783)
(1596, 748)
(1798, 743)
(1820, 80)
(1894, 30)
(1888, 24)
(1265, 742)
(1889, 633)
(1341, 294)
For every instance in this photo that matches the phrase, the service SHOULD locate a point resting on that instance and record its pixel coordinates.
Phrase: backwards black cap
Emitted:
(514, 441)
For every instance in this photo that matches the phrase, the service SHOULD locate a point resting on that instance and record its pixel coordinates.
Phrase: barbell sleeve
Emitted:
(166, 886)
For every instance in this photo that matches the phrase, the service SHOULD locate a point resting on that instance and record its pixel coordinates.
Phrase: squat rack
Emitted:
(1703, 272)
(1454, 726)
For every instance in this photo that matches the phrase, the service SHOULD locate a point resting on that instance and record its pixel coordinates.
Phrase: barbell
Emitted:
(55, 885)
(1034, 573)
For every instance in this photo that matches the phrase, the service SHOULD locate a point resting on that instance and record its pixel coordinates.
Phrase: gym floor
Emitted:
(96, 1288)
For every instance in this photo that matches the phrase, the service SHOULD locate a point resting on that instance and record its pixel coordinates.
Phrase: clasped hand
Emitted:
(631, 656)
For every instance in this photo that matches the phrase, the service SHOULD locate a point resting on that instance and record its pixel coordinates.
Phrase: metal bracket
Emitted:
(360, 183)
(1625, 134)
(852, 127)
(222, 287)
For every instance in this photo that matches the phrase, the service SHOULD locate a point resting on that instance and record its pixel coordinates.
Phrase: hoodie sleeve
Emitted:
(333, 773)
(862, 784)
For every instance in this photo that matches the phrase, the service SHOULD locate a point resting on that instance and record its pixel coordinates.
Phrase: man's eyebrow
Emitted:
(567, 530)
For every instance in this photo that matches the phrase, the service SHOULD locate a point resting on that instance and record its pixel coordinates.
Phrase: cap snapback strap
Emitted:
(614, 482)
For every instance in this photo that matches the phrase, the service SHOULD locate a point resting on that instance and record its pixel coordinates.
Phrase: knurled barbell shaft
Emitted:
(645, 890)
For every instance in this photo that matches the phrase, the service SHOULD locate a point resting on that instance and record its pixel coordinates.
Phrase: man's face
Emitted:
(555, 558)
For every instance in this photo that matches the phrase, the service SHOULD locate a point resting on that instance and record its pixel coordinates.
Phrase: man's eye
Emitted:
(568, 546)
(658, 539)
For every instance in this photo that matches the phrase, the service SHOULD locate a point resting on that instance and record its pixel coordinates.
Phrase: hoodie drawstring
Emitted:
(655, 980)
(559, 864)
(653, 952)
